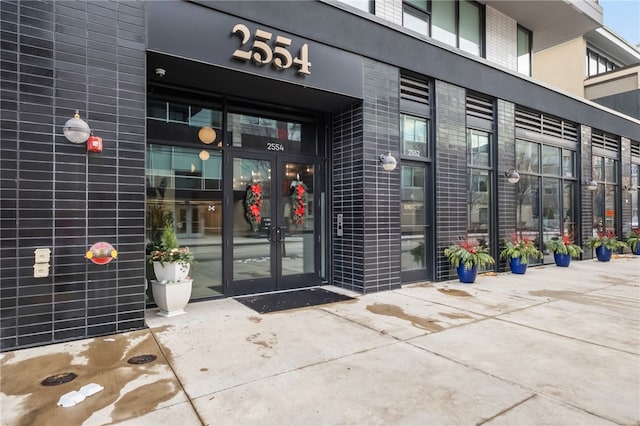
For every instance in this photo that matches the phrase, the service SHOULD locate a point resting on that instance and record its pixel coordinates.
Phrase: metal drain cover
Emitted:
(58, 379)
(142, 359)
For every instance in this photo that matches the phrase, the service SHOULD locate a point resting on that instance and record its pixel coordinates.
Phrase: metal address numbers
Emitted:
(262, 53)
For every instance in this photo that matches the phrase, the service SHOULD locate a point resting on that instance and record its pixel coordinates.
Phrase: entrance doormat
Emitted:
(274, 302)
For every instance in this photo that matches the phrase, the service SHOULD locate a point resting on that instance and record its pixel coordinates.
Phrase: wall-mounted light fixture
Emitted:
(630, 188)
(512, 176)
(388, 161)
(76, 130)
(591, 185)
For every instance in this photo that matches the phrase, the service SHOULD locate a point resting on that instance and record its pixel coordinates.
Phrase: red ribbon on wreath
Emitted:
(298, 202)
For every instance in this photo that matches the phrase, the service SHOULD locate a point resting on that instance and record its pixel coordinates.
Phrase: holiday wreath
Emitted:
(298, 202)
(253, 204)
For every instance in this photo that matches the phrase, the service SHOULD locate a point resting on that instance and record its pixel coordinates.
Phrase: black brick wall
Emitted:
(367, 257)
(58, 57)
(451, 172)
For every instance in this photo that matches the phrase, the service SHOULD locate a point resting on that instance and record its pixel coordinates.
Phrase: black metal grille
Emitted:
(546, 125)
(414, 90)
(479, 107)
(604, 141)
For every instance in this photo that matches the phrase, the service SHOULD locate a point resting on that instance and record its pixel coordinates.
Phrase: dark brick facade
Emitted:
(367, 257)
(58, 57)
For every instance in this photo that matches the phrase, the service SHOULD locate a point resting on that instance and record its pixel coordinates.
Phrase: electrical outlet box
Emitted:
(41, 270)
(43, 255)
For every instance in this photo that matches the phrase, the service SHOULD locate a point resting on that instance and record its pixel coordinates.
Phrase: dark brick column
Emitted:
(586, 196)
(367, 257)
(625, 165)
(451, 172)
(507, 203)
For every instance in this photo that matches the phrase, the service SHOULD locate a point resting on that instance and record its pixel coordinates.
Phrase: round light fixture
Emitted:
(204, 155)
(388, 161)
(76, 130)
(206, 135)
(512, 176)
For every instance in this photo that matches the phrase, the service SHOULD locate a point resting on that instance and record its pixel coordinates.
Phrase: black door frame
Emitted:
(276, 233)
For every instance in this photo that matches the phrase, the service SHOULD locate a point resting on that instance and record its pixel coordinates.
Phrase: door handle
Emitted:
(270, 235)
(278, 234)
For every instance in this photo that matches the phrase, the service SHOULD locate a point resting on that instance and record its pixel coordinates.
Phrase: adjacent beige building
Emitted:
(599, 66)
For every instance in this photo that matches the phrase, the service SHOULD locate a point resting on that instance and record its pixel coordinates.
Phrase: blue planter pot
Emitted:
(465, 275)
(637, 250)
(516, 266)
(562, 259)
(603, 254)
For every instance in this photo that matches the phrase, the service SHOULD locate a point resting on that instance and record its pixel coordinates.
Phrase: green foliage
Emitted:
(169, 251)
(607, 239)
(169, 239)
(564, 245)
(634, 239)
(469, 253)
(522, 248)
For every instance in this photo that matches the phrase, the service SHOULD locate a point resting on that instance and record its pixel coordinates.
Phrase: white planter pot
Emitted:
(170, 272)
(172, 297)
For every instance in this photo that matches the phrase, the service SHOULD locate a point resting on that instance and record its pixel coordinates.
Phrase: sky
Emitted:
(623, 18)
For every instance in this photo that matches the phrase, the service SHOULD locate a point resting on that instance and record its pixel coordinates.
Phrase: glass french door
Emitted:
(272, 225)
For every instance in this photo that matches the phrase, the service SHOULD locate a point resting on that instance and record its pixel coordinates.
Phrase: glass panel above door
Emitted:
(267, 134)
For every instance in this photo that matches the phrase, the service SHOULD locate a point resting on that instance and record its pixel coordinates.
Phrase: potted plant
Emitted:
(633, 241)
(605, 242)
(518, 251)
(467, 256)
(563, 250)
(171, 265)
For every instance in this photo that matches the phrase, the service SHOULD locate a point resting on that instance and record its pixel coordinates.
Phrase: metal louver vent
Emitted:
(528, 120)
(479, 107)
(414, 90)
(546, 125)
(635, 149)
(604, 141)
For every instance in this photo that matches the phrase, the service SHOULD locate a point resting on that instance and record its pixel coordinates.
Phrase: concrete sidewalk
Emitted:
(557, 346)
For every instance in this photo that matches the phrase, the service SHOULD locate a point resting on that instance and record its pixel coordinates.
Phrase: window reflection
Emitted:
(414, 134)
(186, 188)
(413, 217)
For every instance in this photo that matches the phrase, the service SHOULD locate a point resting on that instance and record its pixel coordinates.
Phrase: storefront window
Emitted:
(478, 152)
(479, 188)
(605, 212)
(185, 187)
(527, 157)
(545, 197)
